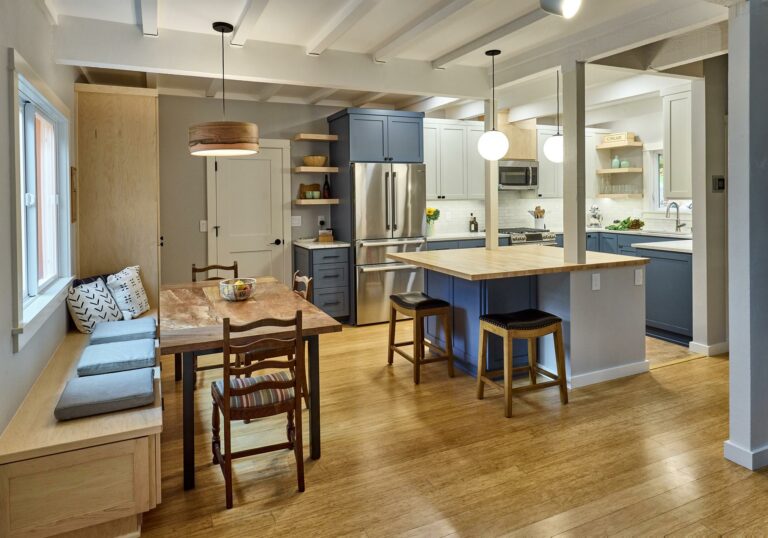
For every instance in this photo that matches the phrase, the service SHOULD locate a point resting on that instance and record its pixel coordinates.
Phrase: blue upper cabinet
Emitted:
(380, 135)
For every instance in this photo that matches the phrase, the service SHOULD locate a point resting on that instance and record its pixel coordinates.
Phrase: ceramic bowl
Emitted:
(237, 289)
(315, 160)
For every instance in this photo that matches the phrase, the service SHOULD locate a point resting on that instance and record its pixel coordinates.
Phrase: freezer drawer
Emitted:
(375, 283)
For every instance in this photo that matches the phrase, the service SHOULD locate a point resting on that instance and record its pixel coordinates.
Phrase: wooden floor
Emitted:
(640, 456)
(661, 353)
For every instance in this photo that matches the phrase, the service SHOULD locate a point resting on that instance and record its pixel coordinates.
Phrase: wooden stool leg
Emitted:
(418, 347)
(392, 327)
(481, 360)
(508, 376)
(532, 358)
(560, 358)
(177, 366)
(448, 332)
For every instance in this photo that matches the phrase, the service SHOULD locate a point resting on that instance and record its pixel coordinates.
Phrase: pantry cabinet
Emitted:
(454, 168)
(678, 146)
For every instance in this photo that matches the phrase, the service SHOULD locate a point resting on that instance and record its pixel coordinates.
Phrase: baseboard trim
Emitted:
(709, 350)
(598, 376)
(751, 459)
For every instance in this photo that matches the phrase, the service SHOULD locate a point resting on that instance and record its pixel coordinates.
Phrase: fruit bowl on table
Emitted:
(237, 289)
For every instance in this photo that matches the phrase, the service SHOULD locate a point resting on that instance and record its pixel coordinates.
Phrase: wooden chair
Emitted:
(530, 325)
(302, 286)
(241, 397)
(195, 271)
(418, 306)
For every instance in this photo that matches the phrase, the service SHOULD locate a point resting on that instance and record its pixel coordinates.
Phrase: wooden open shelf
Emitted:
(619, 145)
(620, 171)
(621, 196)
(316, 169)
(311, 137)
(319, 201)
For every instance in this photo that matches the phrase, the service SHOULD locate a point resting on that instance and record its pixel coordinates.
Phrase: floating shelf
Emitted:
(619, 145)
(319, 201)
(310, 137)
(621, 196)
(316, 169)
(620, 171)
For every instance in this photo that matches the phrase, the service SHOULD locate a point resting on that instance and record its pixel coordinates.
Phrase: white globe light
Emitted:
(553, 148)
(492, 145)
(570, 8)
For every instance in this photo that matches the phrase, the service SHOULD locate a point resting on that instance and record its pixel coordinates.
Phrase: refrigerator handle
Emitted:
(386, 198)
(394, 200)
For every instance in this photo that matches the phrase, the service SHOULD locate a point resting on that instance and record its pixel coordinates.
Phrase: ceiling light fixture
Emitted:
(223, 138)
(564, 8)
(553, 146)
(493, 145)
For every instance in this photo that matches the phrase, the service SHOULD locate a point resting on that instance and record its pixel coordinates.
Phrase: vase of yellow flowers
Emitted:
(432, 215)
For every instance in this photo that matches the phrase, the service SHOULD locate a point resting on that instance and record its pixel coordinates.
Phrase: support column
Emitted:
(747, 239)
(574, 189)
(491, 187)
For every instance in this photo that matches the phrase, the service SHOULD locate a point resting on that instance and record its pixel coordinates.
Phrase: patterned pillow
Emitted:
(128, 292)
(91, 303)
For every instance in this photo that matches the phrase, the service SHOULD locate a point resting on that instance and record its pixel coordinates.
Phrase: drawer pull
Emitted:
(331, 303)
(332, 276)
(334, 256)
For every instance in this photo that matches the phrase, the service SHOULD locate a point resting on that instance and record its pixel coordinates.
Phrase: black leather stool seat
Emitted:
(416, 300)
(523, 320)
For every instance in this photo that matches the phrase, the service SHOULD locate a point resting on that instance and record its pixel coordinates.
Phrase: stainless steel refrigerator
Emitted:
(390, 200)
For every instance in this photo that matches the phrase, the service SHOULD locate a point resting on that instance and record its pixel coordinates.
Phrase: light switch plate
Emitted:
(295, 221)
(203, 226)
(638, 277)
(595, 281)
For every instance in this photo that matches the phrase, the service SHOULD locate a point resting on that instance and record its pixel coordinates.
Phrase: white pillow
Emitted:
(128, 292)
(90, 304)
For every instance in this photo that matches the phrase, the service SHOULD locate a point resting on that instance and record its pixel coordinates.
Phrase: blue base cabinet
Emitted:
(462, 243)
(331, 283)
(669, 295)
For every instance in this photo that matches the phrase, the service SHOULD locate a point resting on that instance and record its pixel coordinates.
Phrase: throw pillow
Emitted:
(91, 303)
(128, 291)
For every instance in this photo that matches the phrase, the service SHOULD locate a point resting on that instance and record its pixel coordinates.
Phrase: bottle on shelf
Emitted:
(616, 162)
(472, 223)
(326, 188)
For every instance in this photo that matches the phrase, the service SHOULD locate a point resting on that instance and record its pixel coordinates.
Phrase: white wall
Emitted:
(23, 26)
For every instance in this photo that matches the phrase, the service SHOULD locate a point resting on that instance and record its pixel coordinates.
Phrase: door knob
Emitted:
(276, 242)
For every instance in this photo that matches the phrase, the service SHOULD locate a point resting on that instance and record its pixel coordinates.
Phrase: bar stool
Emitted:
(529, 325)
(418, 306)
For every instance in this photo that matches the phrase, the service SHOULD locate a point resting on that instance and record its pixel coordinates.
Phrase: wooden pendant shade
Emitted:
(224, 138)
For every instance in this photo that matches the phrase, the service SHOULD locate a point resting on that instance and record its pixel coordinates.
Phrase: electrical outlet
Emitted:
(638, 277)
(595, 281)
(295, 221)
(321, 221)
(203, 226)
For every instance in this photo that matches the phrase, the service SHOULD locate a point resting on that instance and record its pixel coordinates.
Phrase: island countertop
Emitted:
(508, 262)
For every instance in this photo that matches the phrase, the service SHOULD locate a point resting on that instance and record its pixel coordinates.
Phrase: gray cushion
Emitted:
(97, 394)
(120, 331)
(117, 357)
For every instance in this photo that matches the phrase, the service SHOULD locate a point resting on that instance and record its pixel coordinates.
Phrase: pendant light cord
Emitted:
(493, 93)
(223, 90)
(558, 102)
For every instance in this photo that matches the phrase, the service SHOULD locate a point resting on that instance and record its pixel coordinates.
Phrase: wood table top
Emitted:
(192, 315)
(508, 262)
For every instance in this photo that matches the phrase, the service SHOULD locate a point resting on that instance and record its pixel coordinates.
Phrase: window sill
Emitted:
(38, 311)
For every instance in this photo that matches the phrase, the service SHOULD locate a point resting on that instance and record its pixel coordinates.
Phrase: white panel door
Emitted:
(678, 146)
(453, 152)
(432, 160)
(248, 222)
(475, 165)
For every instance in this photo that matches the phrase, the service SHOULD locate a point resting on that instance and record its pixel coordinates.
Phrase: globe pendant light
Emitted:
(553, 146)
(567, 9)
(223, 138)
(493, 145)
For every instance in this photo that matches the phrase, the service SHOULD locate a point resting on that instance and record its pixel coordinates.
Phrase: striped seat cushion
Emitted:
(259, 398)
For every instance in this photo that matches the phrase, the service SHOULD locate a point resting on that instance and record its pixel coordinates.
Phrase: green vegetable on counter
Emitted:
(627, 224)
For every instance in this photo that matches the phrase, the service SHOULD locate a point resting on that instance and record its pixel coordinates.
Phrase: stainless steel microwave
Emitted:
(518, 175)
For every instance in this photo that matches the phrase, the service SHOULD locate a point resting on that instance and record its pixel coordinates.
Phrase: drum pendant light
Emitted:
(553, 146)
(223, 138)
(493, 145)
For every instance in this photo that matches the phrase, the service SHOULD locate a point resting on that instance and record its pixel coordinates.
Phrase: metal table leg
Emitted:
(314, 396)
(188, 378)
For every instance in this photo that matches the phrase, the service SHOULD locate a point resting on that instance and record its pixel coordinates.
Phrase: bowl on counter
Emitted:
(237, 289)
(315, 160)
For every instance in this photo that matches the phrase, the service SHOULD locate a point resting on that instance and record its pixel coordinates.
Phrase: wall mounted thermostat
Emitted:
(718, 183)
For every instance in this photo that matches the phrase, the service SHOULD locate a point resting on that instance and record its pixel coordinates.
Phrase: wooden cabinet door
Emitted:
(475, 165)
(404, 139)
(550, 174)
(432, 160)
(367, 138)
(453, 151)
(668, 291)
(678, 146)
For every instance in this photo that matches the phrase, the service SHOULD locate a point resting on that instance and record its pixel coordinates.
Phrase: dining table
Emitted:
(191, 323)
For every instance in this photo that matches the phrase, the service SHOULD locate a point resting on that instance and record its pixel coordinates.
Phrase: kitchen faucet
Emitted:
(678, 225)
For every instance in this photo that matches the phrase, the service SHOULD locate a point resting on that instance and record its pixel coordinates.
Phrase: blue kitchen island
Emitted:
(601, 302)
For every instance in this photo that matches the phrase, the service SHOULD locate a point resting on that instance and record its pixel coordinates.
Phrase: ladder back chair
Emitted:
(243, 396)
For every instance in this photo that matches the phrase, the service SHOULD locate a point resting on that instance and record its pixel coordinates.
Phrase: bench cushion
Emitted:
(120, 331)
(106, 393)
(117, 357)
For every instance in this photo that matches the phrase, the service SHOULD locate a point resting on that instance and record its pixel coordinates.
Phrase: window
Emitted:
(657, 158)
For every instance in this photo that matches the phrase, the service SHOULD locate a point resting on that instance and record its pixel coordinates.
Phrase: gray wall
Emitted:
(182, 177)
(23, 26)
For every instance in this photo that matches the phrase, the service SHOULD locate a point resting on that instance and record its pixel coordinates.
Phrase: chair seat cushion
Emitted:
(522, 320)
(117, 357)
(416, 300)
(106, 393)
(120, 331)
(259, 398)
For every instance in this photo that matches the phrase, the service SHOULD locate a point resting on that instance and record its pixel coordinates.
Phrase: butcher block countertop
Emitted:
(508, 262)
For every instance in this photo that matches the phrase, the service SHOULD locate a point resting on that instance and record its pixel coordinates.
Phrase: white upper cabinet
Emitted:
(475, 164)
(453, 159)
(678, 146)
(432, 159)
(455, 171)
(550, 174)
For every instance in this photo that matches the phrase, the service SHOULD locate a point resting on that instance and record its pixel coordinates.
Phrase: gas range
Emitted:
(519, 236)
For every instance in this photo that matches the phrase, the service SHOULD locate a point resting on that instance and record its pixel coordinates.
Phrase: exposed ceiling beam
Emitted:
(490, 37)
(339, 24)
(411, 101)
(214, 86)
(51, 13)
(431, 104)
(86, 75)
(198, 55)
(151, 80)
(416, 28)
(321, 94)
(270, 91)
(368, 98)
(465, 111)
(248, 17)
(149, 17)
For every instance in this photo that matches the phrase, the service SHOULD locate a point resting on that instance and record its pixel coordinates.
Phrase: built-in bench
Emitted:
(98, 473)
